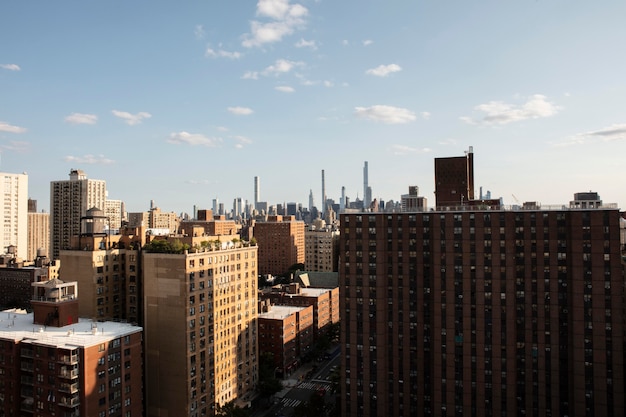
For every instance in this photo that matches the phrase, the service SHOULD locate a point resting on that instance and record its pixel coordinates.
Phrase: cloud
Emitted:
(5, 127)
(222, 129)
(447, 142)
(81, 119)
(384, 70)
(131, 119)
(284, 89)
(285, 18)
(10, 67)
(403, 150)
(241, 141)
(251, 75)
(240, 111)
(367, 42)
(198, 32)
(193, 139)
(89, 159)
(425, 115)
(220, 53)
(306, 44)
(500, 113)
(281, 66)
(608, 134)
(16, 146)
(385, 114)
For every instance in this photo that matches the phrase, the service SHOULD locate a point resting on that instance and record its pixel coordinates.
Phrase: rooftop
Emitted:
(280, 312)
(18, 326)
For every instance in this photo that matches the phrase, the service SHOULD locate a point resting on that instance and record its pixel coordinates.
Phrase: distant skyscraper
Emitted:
(342, 202)
(323, 193)
(14, 213)
(215, 206)
(311, 201)
(69, 201)
(257, 192)
(367, 191)
(454, 180)
(237, 207)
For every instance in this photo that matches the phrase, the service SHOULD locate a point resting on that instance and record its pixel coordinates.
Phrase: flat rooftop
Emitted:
(18, 326)
(280, 312)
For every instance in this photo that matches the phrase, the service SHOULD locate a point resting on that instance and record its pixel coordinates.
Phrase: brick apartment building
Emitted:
(482, 313)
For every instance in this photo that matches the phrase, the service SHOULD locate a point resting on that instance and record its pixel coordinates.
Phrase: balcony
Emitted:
(68, 388)
(74, 413)
(68, 359)
(68, 373)
(27, 353)
(26, 380)
(27, 366)
(73, 401)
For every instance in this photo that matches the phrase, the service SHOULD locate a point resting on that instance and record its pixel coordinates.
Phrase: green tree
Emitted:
(268, 383)
(231, 410)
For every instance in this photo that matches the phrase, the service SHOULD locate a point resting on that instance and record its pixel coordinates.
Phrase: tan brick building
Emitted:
(201, 330)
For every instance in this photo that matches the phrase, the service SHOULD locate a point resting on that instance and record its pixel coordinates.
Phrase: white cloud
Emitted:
(367, 42)
(89, 159)
(285, 18)
(284, 89)
(241, 141)
(306, 44)
(611, 133)
(220, 53)
(241, 111)
(81, 119)
(131, 119)
(385, 114)
(16, 146)
(222, 129)
(426, 115)
(251, 75)
(345, 42)
(447, 142)
(500, 113)
(193, 139)
(384, 70)
(198, 31)
(281, 66)
(403, 149)
(10, 67)
(5, 127)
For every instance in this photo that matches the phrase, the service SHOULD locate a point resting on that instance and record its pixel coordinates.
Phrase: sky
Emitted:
(186, 102)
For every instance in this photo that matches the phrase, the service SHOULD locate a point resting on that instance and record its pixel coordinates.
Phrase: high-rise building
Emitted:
(454, 180)
(321, 243)
(114, 211)
(413, 201)
(281, 244)
(323, 193)
(54, 364)
(38, 235)
(482, 313)
(201, 329)
(257, 192)
(14, 213)
(69, 201)
(367, 191)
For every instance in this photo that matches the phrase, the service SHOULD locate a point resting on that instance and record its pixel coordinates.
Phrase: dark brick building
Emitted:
(482, 313)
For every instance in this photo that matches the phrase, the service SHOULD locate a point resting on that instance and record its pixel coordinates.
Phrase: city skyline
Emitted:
(186, 105)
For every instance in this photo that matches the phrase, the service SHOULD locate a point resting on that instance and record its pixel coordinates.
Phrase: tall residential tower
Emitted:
(14, 213)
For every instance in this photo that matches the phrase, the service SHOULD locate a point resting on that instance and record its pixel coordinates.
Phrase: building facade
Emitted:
(54, 364)
(286, 334)
(321, 248)
(38, 235)
(14, 213)
(201, 330)
(482, 313)
(69, 201)
(281, 244)
(454, 180)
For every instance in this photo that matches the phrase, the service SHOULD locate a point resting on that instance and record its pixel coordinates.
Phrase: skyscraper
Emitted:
(482, 313)
(257, 192)
(69, 201)
(367, 191)
(323, 193)
(454, 180)
(14, 213)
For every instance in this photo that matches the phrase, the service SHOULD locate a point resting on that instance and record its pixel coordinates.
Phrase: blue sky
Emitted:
(184, 102)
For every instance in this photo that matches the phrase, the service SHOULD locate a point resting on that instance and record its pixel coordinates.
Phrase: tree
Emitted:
(268, 383)
(231, 410)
